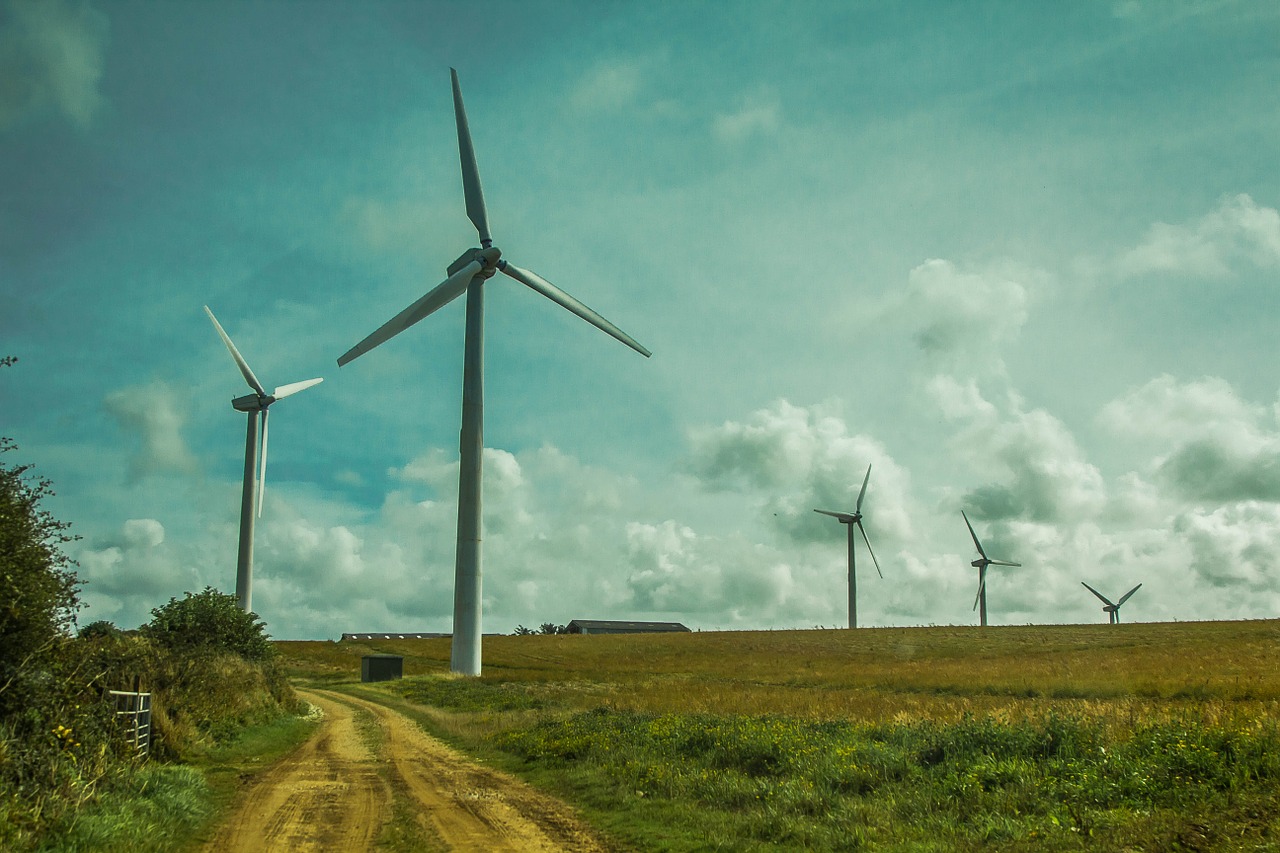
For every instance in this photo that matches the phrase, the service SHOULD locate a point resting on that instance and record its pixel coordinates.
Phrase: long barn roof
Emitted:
(634, 627)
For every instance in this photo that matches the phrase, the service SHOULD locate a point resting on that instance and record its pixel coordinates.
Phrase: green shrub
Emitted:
(209, 622)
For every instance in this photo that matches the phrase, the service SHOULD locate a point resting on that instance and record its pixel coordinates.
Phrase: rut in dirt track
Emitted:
(335, 793)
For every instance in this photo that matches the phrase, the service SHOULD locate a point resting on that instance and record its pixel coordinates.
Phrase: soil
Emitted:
(340, 789)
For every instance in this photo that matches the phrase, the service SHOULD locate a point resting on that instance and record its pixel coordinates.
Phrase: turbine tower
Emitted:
(1113, 610)
(981, 565)
(469, 273)
(255, 459)
(850, 520)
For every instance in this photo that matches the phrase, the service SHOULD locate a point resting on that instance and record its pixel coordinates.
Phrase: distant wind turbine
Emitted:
(255, 462)
(469, 273)
(981, 565)
(1107, 607)
(850, 520)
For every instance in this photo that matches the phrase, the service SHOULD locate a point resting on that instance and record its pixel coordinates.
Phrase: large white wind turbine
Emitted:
(1107, 607)
(469, 273)
(255, 459)
(850, 520)
(981, 565)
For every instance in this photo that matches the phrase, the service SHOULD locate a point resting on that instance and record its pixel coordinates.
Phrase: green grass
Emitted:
(1016, 738)
(769, 783)
(156, 809)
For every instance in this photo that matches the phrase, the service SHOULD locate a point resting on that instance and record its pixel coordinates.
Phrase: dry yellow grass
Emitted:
(878, 674)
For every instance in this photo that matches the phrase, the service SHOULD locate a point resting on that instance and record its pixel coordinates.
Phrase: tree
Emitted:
(38, 585)
(209, 621)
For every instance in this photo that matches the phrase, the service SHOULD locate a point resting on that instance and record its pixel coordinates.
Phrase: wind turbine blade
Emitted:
(444, 293)
(976, 598)
(1003, 563)
(843, 516)
(1105, 600)
(470, 172)
(976, 543)
(1125, 597)
(563, 299)
(293, 388)
(858, 508)
(869, 551)
(235, 353)
(262, 464)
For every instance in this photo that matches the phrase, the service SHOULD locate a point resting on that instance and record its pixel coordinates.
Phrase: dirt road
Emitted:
(368, 764)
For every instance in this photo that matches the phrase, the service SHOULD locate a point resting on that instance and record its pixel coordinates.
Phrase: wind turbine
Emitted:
(981, 565)
(255, 463)
(1107, 607)
(469, 273)
(850, 520)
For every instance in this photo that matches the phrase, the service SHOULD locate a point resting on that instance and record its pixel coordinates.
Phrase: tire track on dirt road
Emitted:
(336, 792)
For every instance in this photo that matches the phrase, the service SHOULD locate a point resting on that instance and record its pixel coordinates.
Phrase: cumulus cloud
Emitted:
(961, 319)
(151, 414)
(1210, 444)
(130, 565)
(1238, 231)
(1043, 473)
(1236, 546)
(797, 459)
(51, 61)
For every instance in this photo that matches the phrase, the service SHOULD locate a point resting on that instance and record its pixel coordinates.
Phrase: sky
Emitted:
(1021, 259)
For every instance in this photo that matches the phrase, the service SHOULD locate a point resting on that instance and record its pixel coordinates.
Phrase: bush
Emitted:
(38, 596)
(209, 622)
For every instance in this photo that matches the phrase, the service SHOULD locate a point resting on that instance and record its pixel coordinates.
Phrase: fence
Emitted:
(134, 711)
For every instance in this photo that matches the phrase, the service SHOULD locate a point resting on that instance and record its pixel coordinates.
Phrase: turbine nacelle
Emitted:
(252, 402)
(490, 259)
(842, 517)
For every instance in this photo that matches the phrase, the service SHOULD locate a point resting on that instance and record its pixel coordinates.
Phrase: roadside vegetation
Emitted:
(69, 781)
(1162, 736)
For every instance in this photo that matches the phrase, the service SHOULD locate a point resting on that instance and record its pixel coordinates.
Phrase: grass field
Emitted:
(1138, 737)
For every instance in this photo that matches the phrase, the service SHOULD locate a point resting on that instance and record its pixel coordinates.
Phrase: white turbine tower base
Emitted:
(468, 274)
(255, 405)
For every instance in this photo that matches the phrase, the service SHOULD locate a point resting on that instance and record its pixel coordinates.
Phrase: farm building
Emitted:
(599, 626)
(392, 636)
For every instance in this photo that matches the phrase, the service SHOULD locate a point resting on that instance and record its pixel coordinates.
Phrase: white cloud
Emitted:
(131, 566)
(757, 115)
(152, 414)
(142, 533)
(1235, 546)
(1205, 440)
(797, 459)
(1042, 472)
(962, 319)
(1239, 231)
(51, 60)
(608, 87)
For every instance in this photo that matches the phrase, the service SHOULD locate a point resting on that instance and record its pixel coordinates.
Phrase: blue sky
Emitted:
(1020, 258)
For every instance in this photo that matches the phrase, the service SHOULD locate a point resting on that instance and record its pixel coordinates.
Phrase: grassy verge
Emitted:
(156, 808)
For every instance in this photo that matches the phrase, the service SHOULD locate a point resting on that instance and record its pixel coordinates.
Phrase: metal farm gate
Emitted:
(133, 710)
